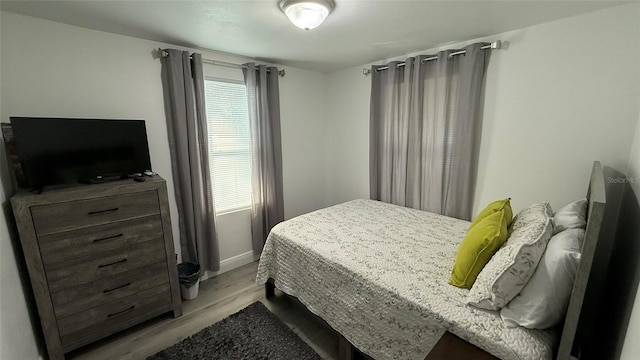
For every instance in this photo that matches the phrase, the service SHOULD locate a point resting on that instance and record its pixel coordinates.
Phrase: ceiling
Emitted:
(356, 32)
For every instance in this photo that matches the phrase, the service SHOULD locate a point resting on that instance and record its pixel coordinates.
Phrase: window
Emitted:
(229, 142)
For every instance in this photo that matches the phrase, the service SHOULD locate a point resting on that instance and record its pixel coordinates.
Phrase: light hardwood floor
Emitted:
(218, 298)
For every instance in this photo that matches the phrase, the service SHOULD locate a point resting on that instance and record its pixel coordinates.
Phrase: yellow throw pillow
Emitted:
(504, 205)
(477, 248)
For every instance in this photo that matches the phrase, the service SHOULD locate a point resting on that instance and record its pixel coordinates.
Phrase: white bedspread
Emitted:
(378, 274)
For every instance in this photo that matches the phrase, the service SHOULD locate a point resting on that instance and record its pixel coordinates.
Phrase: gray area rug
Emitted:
(252, 333)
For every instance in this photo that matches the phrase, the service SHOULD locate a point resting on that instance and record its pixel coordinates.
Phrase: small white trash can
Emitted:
(189, 277)
(190, 293)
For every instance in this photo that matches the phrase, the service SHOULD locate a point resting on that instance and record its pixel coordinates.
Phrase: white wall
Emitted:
(561, 95)
(17, 336)
(631, 347)
(57, 70)
(347, 139)
(553, 105)
(303, 138)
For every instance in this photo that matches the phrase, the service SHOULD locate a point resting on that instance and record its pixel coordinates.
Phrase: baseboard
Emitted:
(231, 263)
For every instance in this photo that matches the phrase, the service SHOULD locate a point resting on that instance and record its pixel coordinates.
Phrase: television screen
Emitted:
(67, 151)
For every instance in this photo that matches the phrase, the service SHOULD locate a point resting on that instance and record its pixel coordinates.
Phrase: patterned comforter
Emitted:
(378, 274)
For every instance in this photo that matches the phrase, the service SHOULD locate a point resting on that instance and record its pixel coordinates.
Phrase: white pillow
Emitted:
(543, 301)
(509, 270)
(571, 216)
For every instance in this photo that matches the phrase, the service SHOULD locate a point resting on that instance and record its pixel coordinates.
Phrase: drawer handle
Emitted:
(107, 238)
(113, 263)
(116, 288)
(103, 211)
(123, 311)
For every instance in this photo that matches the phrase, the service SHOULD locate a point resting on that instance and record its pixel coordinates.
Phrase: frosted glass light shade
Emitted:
(306, 14)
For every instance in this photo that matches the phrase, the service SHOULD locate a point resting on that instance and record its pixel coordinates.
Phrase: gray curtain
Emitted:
(266, 149)
(425, 131)
(183, 84)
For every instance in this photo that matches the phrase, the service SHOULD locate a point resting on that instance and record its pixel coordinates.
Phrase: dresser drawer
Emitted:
(98, 239)
(82, 297)
(115, 311)
(83, 270)
(71, 215)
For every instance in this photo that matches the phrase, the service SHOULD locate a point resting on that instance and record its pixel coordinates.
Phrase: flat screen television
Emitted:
(67, 151)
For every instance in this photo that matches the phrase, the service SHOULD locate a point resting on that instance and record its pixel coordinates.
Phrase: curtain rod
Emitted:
(494, 45)
(163, 53)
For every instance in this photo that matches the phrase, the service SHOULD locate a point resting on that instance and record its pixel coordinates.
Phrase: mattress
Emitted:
(378, 274)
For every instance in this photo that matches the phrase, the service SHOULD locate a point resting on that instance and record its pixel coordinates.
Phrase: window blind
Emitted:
(229, 142)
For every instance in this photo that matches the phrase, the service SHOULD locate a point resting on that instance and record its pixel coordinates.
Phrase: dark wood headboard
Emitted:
(596, 194)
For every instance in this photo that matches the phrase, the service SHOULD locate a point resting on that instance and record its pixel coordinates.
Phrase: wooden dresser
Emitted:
(100, 258)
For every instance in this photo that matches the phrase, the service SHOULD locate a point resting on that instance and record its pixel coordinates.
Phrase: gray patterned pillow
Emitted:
(512, 266)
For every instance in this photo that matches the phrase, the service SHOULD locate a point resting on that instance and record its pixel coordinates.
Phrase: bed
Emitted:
(378, 274)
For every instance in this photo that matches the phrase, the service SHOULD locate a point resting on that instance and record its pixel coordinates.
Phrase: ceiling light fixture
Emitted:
(306, 14)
